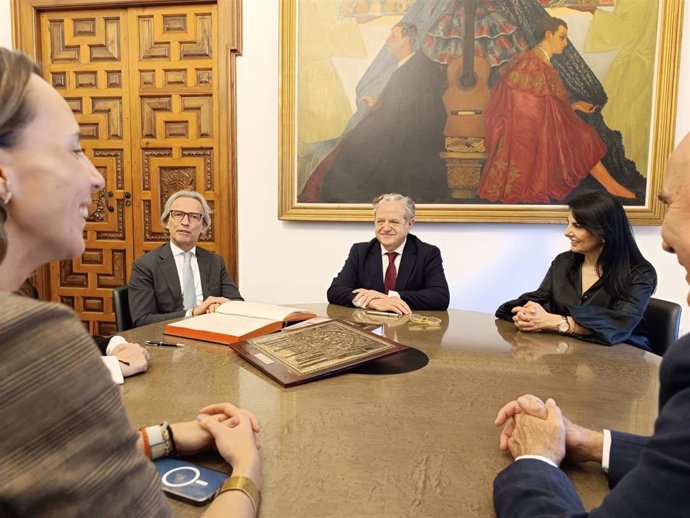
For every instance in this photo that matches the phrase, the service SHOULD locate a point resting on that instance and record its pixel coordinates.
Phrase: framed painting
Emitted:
(480, 110)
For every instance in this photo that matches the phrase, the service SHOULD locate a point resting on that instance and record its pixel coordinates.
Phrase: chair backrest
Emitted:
(662, 323)
(123, 320)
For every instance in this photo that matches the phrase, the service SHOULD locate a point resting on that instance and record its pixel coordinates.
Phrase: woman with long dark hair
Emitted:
(599, 289)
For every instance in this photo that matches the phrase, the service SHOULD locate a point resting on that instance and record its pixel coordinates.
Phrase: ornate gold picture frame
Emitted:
(327, 48)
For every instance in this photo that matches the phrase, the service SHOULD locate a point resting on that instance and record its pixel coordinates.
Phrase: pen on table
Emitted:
(164, 344)
(382, 313)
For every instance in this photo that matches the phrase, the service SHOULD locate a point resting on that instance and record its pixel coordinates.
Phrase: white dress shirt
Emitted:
(384, 263)
(178, 254)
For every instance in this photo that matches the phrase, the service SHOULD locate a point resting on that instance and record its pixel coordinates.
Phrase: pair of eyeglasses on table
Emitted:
(422, 320)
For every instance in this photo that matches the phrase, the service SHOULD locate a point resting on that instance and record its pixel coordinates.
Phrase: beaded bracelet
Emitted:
(170, 447)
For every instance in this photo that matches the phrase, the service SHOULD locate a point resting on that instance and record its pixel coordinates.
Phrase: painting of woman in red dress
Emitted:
(538, 149)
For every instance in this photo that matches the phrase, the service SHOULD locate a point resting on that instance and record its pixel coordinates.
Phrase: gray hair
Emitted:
(187, 194)
(408, 203)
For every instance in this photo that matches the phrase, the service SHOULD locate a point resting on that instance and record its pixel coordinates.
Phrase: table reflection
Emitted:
(418, 443)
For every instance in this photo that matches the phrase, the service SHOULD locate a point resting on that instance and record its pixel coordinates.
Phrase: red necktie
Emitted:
(389, 279)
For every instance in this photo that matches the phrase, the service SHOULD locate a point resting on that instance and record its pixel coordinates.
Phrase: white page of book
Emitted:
(256, 309)
(234, 325)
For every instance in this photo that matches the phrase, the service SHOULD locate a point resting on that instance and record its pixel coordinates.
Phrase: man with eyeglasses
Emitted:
(180, 279)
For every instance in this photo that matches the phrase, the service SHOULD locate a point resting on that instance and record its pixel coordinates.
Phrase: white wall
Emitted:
(5, 24)
(285, 262)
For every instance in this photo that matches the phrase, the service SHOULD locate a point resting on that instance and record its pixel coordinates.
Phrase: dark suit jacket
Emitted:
(154, 287)
(651, 475)
(420, 280)
(396, 145)
(102, 343)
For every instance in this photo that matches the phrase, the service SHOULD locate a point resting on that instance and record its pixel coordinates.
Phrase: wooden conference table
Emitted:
(417, 444)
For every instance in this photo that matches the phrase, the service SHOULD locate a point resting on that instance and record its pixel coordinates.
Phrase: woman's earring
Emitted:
(5, 189)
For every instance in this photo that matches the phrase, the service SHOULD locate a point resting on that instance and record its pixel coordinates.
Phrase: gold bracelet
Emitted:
(244, 484)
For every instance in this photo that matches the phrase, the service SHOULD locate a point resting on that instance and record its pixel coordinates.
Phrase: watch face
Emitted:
(563, 326)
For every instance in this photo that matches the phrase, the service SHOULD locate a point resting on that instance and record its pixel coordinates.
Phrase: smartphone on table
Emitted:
(189, 482)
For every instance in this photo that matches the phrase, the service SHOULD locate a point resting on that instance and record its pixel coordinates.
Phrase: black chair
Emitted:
(662, 322)
(123, 320)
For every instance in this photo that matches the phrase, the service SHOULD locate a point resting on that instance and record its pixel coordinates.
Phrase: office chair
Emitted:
(123, 320)
(662, 322)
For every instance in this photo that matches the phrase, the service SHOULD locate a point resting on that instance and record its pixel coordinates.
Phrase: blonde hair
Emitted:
(15, 71)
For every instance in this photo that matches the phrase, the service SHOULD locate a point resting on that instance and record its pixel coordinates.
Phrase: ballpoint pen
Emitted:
(382, 313)
(164, 344)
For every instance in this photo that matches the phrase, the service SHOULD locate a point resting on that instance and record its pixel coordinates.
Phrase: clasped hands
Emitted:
(192, 437)
(233, 431)
(532, 317)
(372, 299)
(532, 427)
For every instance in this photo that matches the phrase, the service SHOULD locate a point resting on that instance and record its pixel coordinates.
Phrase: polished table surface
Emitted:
(418, 444)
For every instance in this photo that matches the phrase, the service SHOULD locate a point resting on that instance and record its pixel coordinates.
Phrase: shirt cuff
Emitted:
(356, 303)
(113, 365)
(606, 452)
(189, 313)
(114, 342)
(392, 293)
(537, 457)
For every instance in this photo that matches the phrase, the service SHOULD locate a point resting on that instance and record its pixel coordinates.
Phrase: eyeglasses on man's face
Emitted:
(178, 215)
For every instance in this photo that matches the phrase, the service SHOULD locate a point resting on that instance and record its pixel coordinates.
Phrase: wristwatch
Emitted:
(564, 325)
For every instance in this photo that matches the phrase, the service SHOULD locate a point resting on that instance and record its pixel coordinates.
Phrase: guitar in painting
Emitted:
(468, 93)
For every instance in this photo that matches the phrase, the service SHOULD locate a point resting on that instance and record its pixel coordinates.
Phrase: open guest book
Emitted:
(237, 320)
(313, 352)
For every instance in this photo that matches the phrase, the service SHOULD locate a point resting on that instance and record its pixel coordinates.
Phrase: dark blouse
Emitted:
(610, 320)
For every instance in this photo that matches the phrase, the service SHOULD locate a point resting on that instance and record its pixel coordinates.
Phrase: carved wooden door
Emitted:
(140, 82)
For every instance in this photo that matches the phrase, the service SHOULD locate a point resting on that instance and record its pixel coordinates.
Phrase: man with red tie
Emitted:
(395, 271)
